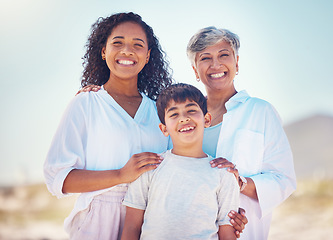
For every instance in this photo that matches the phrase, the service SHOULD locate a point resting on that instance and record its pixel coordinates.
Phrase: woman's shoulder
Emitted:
(258, 102)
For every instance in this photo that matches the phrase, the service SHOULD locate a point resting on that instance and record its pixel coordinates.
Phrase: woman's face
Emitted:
(126, 51)
(216, 66)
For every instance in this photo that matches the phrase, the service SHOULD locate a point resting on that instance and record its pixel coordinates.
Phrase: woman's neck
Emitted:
(122, 88)
(216, 101)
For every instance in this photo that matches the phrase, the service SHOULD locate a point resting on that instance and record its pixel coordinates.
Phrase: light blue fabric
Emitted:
(211, 136)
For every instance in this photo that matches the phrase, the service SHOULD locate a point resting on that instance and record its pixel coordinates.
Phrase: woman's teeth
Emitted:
(217, 75)
(125, 62)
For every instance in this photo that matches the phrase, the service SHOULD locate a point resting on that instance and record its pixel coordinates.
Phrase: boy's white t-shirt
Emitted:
(184, 198)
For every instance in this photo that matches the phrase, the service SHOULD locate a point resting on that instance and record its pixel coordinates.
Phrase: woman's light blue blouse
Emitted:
(211, 136)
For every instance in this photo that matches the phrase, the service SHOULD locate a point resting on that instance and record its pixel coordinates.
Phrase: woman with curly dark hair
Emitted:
(108, 138)
(151, 79)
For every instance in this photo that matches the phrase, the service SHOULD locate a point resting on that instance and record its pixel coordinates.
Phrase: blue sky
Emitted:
(285, 58)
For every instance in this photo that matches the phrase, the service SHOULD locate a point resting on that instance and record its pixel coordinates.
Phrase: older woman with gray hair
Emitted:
(246, 133)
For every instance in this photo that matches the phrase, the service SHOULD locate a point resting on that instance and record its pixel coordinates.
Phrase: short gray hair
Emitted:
(209, 36)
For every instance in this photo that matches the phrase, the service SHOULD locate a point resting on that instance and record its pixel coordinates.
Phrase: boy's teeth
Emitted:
(186, 129)
(126, 62)
(217, 75)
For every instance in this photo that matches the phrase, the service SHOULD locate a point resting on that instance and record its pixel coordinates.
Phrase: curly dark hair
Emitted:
(155, 76)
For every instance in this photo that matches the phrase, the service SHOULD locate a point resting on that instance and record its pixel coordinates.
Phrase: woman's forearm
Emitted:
(78, 180)
(250, 189)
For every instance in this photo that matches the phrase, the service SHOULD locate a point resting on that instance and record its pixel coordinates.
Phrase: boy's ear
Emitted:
(163, 129)
(208, 120)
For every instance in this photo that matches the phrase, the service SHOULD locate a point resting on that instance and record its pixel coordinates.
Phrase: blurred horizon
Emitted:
(285, 59)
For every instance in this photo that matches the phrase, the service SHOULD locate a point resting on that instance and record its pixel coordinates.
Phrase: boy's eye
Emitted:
(192, 111)
(174, 115)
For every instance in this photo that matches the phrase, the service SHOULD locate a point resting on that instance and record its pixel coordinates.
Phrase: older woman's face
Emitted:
(216, 66)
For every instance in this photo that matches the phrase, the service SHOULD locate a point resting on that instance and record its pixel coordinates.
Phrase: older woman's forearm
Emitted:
(250, 189)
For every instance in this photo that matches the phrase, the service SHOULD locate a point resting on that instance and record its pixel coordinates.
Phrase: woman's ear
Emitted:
(208, 120)
(195, 72)
(163, 129)
(103, 53)
(148, 56)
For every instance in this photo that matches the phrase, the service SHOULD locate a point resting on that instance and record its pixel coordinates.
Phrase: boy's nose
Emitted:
(184, 119)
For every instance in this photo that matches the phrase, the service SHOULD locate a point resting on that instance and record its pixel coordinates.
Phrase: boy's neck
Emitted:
(193, 152)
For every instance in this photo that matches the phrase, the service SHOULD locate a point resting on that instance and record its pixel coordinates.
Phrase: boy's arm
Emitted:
(133, 224)
(226, 232)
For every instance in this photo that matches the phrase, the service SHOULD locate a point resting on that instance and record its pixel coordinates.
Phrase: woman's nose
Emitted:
(216, 63)
(127, 49)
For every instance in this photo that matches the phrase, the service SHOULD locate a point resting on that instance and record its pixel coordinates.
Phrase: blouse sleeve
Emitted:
(277, 179)
(67, 148)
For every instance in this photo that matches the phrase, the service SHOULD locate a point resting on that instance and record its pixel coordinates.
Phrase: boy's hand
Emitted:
(94, 88)
(238, 221)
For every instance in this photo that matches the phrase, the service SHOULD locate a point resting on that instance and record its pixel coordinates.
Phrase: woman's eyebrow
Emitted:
(121, 37)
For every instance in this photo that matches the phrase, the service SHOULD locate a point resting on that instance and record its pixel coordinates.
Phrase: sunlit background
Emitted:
(285, 58)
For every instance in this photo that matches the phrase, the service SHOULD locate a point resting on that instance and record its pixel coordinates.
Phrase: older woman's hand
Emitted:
(88, 88)
(224, 163)
(238, 221)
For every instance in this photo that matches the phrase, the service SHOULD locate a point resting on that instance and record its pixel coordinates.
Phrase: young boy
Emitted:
(184, 198)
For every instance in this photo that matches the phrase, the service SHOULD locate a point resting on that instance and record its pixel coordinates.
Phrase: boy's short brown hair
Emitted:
(179, 93)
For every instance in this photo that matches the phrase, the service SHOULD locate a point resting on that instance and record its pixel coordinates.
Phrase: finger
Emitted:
(96, 88)
(218, 162)
(225, 165)
(236, 221)
(146, 158)
(149, 161)
(237, 234)
(241, 211)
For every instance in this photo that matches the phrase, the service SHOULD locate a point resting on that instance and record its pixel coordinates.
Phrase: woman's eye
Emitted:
(205, 58)
(116, 43)
(138, 45)
(224, 55)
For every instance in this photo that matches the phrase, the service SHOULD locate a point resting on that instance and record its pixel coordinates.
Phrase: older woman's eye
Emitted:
(224, 55)
(138, 45)
(204, 58)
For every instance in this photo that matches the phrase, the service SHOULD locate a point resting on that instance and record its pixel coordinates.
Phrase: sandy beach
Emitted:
(31, 213)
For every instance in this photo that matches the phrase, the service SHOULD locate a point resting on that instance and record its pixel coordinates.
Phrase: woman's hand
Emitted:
(94, 88)
(224, 163)
(238, 221)
(138, 164)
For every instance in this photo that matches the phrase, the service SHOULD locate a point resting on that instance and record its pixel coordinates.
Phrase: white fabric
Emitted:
(252, 137)
(184, 198)
(95, 133)
(102, 219)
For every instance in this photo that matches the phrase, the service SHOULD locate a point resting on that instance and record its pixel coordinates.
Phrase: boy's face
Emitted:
(185, 122)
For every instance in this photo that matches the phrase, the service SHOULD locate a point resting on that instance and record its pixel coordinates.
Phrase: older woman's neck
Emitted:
(219, 98)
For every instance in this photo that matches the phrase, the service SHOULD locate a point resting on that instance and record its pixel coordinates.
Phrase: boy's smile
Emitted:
(185, 123)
